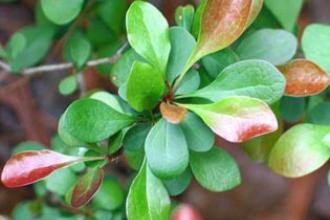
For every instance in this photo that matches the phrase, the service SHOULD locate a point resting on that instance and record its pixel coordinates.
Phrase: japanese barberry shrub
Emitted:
(227, 70)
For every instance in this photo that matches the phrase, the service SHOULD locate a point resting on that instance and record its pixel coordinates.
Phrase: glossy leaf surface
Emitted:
(179, 184)
(91, 120)
(274, 46)
(145, 86)
(215, 170)
(166, 150)
(184, 16)
(316, 45)
(86, 187)
(231, 17)
(190, 83)
(301, 150)
(148, 33)
(147, 198)
(28, 167)
(304, 78)
(237, 119)
(253, 78)
(255, 9)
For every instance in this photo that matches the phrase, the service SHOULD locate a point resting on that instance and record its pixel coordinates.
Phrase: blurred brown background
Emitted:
(29, 109)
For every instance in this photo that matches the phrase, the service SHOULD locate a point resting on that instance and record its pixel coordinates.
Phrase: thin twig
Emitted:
(65, 66)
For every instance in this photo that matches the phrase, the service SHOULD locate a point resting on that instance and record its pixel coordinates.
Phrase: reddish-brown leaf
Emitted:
(172, 113)
(186, 212)
(30, 166)
(223, 21)
(86, 187)
(304, 78)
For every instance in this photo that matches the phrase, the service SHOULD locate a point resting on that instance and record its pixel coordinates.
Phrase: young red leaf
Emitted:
(304, 78)
(86, 187)
(30, 166)
(222, 22)
(238, 118)
(186, 212)
(172, 113)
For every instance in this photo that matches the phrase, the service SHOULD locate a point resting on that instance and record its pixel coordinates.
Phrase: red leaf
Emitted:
(30, 166)
(186, 212)
(304, 78)
(86, 187)
(223, 21)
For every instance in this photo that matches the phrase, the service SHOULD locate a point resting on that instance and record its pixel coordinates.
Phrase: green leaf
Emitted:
(189, 84)
(3, 53)
(135, 137)
(253, 78)
(61, 11)
(217, 62)
(166, 150)
(86, 186)
(145, 86)
(116, 142)
(316, 45)
(16, 45)
(121, 70)
(148, 33)
(275, 46)
(182, 43)
(147, 198)
(215, 170)
(203, 140)
(110, 196)
(55, 183)
(78, 50)
(134, 158)
(112, 13)
(27, 146)
(292, 109)
(68, 85)
(111, 100)
(184, 16)
(286, 11)
(38, 41)
(179, 184)
(238, 118)
(91, 121)
(24, 211)
(320, 114)
(301, 150)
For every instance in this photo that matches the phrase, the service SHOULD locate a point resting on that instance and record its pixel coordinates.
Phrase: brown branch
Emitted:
(65, 66)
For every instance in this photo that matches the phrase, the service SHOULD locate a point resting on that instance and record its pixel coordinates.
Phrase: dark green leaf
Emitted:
(116, 142)
(61, 11)
(275, 46)
(147, 198)
(55, 183)
(182, 43)
(320, 114)
(253, 78)
(200, 138)
(189, 84)
(179, 184)
(148, 33)
(145, 86)
(217, 62)
(166, 150)
(215, 170)
(292, 109)
(136, 136)
(91, 121)
(301, 150)
(78, 50)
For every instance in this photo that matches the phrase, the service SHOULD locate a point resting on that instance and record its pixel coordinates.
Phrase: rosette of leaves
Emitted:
(179, 87)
